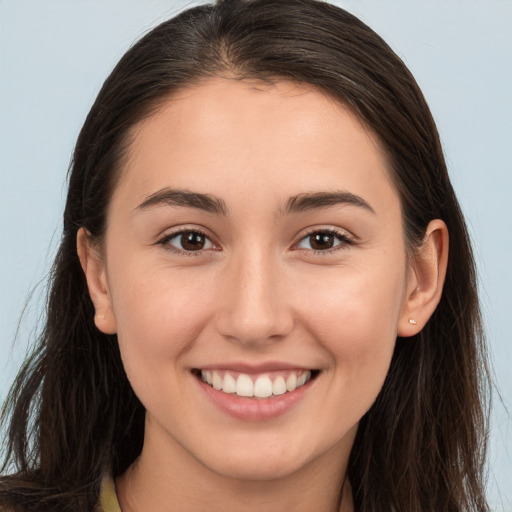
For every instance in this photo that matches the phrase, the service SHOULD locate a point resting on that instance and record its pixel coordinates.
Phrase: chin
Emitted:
(262, 459)
(256, 468)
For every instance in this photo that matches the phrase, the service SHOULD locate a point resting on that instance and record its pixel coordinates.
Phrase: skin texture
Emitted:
(256, 293)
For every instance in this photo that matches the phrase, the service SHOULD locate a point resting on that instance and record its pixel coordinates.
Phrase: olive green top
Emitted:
(108, 497)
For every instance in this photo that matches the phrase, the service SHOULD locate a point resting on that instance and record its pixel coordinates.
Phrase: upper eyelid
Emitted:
(172, 232)
(325, 229)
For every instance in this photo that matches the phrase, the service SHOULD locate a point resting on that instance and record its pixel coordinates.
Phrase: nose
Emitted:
(253, 305)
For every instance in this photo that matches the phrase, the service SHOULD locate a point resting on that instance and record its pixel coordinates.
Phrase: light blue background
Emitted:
(54, 55)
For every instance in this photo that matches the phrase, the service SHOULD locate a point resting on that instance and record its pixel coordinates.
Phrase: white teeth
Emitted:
(216, 381)
(229, 384)
(262, 387)
(244, 385)
(302, 378)
(291, 382)
(279, 386)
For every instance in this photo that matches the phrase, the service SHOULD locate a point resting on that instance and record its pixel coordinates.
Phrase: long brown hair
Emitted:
(73, 415)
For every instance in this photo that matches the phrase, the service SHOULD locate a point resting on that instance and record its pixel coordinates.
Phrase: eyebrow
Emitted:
(311, 201)
(212, 204)
(178, 197)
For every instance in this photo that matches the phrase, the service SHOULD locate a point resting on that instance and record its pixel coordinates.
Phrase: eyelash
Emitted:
(344, 240)
(164, 242)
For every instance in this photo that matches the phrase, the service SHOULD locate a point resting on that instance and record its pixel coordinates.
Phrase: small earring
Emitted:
(412, 321)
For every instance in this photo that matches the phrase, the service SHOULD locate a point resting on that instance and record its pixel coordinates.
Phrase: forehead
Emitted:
(224, 135)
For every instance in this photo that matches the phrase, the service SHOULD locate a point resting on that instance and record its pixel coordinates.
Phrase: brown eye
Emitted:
(323, 241)
(192, 241)
(188, 241)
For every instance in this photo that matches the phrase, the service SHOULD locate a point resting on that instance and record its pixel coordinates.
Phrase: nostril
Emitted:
(251, 327)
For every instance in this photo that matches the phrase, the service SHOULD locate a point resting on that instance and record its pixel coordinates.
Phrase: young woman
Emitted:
(254, 305)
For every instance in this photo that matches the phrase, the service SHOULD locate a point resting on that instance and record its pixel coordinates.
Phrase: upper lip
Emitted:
(270, 366)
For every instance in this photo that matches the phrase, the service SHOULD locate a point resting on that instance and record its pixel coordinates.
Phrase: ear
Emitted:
(427, 272)
(95, 273)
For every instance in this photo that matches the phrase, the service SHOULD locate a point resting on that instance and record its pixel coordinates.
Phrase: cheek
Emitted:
(356, 302)
(355, 319)
(159, 315)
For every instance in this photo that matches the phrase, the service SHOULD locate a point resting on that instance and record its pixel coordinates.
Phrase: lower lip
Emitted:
(255, 409)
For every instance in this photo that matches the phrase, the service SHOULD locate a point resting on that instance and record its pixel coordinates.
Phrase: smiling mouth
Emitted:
(263, 385)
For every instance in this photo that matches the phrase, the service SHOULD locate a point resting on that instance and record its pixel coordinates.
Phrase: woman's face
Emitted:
(255, 241)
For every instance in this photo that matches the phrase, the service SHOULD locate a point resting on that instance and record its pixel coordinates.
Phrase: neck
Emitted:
(166, 478)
